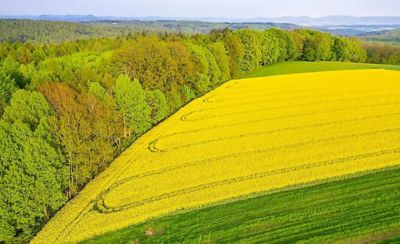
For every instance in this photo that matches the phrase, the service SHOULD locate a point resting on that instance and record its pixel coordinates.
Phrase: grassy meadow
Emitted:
(247, 137)
(306, 67)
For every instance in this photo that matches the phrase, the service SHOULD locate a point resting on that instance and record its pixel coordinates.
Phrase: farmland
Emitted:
(307, 67)
(246, 137)
(357, 209)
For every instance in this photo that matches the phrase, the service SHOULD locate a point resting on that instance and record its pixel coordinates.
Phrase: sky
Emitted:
(202, 8)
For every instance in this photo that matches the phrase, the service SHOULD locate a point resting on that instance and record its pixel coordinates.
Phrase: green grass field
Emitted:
(305, 67)
(361, 208)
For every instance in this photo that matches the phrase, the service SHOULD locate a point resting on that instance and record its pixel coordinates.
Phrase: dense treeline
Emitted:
(51, 31)
(387, 36)
(382, 53)
(68, 110)
(41, 31)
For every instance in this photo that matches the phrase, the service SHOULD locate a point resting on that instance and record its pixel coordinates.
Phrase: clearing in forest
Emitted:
(247, 136)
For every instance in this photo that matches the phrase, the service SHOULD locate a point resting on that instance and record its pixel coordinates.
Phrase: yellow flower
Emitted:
(247, 136)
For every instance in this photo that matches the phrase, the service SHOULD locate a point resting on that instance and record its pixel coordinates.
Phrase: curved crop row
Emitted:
(247, 136)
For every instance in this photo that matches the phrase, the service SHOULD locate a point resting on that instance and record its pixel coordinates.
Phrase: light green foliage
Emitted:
(306, 67)
(131, 101)
(158, 104)
(11, 68)
(252, 43)
(236, 51)
(317, 46)
(77, 70)
(33, 175)
(298, 41)
(93, 114)
(188, 93)
(270, 51)
(200, 81)
(28, 107)
(348, 50)
(286, 45)
(214, 71)
(97, 90)
(7, 231)
(222, 59)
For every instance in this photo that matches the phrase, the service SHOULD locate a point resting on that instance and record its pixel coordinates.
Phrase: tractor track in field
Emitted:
(154, 148)
(237, 155)
(108, 209)
(294, 106)
(186, 117)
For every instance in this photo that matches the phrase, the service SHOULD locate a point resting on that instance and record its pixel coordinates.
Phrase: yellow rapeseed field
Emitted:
(247, 136)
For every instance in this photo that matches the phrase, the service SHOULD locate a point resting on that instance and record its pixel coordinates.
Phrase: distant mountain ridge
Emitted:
(338, 20)
(300, 20)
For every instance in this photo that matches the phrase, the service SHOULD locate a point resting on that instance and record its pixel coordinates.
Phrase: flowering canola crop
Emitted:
(247, 136)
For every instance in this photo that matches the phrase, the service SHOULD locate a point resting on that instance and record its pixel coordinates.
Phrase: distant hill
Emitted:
(300, 20)
(51, 28)
(336, 20)
(66, 18)
(44, 31)
(390, 36)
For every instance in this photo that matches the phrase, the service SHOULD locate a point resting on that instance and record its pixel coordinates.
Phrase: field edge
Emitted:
(252, 196)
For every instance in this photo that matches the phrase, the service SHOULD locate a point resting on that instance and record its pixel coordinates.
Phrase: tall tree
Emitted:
(84, 131)
(7, 88)
(220, 53)
(131, 102)
(317, 46)
(236, 52)
(252, 50)
(33, 173)
(158, 105)
(29, 107)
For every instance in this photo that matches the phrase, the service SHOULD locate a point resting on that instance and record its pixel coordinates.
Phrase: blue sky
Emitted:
(203, 8)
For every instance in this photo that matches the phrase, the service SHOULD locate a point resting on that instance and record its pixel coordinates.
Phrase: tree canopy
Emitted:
(68, 109)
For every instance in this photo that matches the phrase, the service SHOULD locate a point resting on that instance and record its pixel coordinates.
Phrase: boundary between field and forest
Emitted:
(78, 105)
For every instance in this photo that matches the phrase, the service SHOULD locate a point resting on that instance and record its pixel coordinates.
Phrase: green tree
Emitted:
(348, 50)
(148, 60)
(12, 68)
(202, 73)
(317, 46)
(236, 52)
(252, 50)
(33, 173)
(158, 104)
(220, 54)
(85, 129)
(7, 88)
(28, 107)
(270, 50)
(97, 90)
(131, 102)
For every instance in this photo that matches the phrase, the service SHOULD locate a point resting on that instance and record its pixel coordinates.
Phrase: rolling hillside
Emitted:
(360, 209)
(246, 137)
(390, 36)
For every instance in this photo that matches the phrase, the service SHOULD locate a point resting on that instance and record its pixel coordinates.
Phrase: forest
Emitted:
(389, 36)
(68, 109)
(41, 31)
